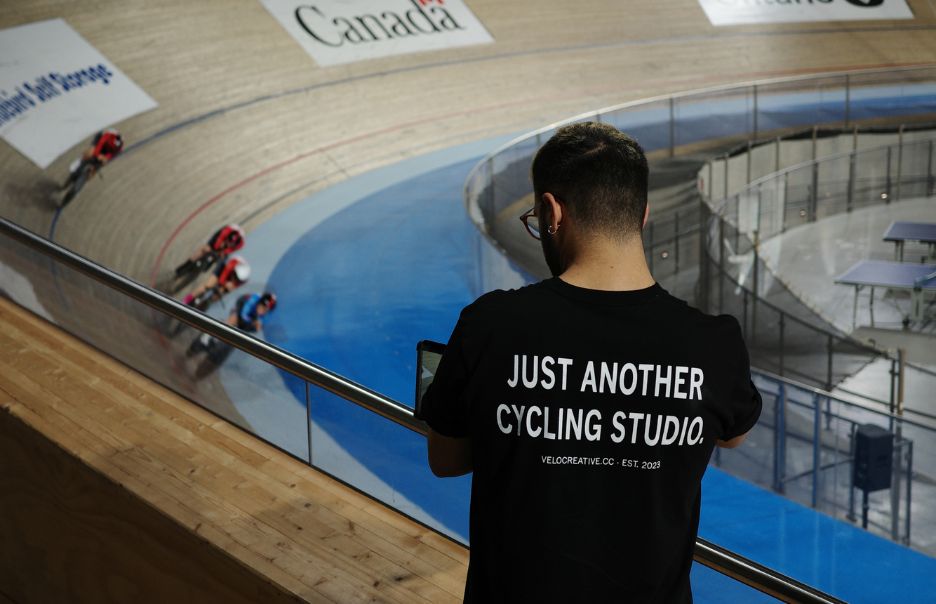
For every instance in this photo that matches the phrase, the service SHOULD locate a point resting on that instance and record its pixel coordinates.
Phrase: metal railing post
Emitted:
(900, 132)
(930, 181)
(782, 337)
(786, 195)
(749, 167)
(779, 437)
(851, 475)
(814, 194)
(887, 188)
(672, 126)
(725, 184)
(755, 124)
(847, 100)
(308, 420)
(909, 492)
(817, 410)
(850, 195)
(896, 487)
(892, 395)
(901, 378)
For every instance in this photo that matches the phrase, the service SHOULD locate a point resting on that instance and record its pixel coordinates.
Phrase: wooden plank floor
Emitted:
(302, 532)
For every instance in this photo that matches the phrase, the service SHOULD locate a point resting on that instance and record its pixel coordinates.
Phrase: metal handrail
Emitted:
(319, 376)
(722, 560)
(811, 162)
(831, 396)
(691, 93)
(758, 576)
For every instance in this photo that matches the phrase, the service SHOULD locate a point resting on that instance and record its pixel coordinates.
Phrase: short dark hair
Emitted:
(600, 174)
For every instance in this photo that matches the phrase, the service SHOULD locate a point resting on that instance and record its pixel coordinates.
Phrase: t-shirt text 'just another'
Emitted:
(603, 377)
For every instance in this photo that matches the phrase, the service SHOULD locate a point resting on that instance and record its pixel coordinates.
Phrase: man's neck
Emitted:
(610, 266)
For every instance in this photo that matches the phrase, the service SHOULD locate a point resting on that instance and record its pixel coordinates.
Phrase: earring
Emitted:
(552, 230)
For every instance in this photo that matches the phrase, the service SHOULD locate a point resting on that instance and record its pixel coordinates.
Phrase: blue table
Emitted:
(918, 232)
(919, 279)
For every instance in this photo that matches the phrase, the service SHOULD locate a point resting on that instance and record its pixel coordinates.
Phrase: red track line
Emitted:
(282, 164)
(304, 155)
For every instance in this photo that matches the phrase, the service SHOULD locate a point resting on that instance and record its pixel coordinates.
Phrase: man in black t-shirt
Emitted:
(587, 405)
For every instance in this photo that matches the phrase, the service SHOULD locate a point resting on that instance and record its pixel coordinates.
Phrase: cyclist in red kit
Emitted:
(223, 242)
(106, 145)
(227, 277)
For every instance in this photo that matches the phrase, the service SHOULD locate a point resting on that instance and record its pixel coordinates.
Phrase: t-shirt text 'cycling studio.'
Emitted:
(668, 381)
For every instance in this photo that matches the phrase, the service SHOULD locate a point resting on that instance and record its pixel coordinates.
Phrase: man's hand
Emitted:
(448, 456)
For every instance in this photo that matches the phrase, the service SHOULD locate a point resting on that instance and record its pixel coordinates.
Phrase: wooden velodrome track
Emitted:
(247, 123)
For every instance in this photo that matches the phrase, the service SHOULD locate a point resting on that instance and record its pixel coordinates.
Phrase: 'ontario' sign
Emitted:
(334, 32)
(56, 90)
(737, 12)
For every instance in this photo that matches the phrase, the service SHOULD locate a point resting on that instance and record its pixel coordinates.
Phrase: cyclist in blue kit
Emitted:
(250, 312)
(586, 406)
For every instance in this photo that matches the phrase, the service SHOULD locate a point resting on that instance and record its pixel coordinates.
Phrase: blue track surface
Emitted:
(363, 287)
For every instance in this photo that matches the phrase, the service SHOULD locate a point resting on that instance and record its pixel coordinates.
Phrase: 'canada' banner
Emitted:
(57, 90)
(736, 12)
(344, 31)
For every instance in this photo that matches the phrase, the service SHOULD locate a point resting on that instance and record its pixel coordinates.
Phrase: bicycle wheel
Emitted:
(77, 185)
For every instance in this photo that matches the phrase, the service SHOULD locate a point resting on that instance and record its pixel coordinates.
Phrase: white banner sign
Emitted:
(57, 90)
(736, 12)
(344, 31)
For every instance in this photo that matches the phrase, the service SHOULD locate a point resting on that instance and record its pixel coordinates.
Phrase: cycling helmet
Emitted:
(235, 237)
(118, 141)
(241, 269)
(269, 300)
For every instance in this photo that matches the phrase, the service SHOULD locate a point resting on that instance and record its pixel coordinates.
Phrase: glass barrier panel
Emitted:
(798, 197)
(714, 116)
(479, 194)
(801, 103)
(764, 160)
(386, 461)
(511, 180)
(900, 93)
(915, 169)
(647, 123)
(872, 177)
(234, 386)
(833, 187)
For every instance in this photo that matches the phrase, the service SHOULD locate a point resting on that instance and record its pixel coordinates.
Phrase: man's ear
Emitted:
(553, 213)
(646, 215)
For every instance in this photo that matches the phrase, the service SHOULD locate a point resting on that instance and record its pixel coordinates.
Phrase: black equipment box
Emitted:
(874, 458)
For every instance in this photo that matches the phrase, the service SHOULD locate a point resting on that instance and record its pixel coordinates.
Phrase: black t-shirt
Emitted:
(592, 416)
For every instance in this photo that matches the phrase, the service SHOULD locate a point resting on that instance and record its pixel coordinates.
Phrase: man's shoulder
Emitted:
(500, 300)
(687, 312)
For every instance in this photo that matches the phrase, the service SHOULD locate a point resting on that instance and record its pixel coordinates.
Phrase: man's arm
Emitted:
(448, 456)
